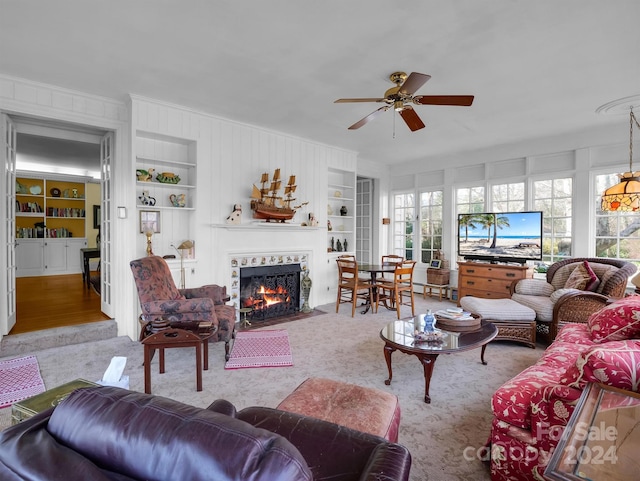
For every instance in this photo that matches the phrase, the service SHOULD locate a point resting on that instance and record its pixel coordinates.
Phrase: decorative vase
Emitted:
(343, 210)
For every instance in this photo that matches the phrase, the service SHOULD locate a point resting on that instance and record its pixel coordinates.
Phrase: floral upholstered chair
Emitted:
(182, 308)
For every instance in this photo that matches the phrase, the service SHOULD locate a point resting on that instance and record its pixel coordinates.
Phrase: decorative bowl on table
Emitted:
(456, 318)
(436, 335)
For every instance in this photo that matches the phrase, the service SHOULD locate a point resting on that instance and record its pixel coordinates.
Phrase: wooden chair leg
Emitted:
(338, 299)
(205, 355)
(198, 366)
(354, 301)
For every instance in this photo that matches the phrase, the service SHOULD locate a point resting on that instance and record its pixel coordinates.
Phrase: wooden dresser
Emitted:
(490, 281)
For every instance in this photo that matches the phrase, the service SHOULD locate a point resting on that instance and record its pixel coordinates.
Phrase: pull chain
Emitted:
(632, 119)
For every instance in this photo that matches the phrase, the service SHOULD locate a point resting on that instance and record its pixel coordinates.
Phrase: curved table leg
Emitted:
(387, 357)
(428, 362)
(484, 346)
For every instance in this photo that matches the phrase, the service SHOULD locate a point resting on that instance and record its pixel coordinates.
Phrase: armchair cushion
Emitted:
(618, 321)
(534, 287)
(561, 292)
(616, 363)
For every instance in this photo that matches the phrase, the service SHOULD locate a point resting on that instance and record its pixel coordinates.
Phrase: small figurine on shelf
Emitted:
(329, 210)
(333, 245)
(313, 222)
(343, 210)
(144, 175)
(345, 245)
(236, 216)
(329, 226)
(339, 246)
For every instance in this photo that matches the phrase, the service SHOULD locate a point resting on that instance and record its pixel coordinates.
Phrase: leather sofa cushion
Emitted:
(150, 437)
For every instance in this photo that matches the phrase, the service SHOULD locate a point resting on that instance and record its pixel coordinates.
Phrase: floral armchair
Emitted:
(592, 278)
(182, 308)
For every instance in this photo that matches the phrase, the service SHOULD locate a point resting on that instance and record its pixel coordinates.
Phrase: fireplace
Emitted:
(271, 291)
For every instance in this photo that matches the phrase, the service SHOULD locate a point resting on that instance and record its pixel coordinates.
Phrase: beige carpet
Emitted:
(338, 347)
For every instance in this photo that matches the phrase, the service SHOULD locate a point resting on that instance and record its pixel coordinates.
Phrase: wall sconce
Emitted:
(386, 221)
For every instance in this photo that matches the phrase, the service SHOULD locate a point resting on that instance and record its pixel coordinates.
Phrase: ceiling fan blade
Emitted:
(411, 118)
(369, 117)
(414, 81)
(342, 101)
(459, 100)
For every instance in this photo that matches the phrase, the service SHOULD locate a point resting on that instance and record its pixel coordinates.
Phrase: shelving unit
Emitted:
(60, 216)
(170, 155)
(158, 153)
(341, 211)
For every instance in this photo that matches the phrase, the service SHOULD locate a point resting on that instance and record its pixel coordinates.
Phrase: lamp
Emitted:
(186, 245)
(625, 195)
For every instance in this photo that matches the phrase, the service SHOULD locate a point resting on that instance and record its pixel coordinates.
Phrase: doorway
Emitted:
(67, 153)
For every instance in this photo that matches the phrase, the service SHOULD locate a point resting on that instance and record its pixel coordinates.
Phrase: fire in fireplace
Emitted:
(271, 291)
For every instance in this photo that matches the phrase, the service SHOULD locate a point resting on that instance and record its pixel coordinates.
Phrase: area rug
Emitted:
(19, 379)
(268, 348)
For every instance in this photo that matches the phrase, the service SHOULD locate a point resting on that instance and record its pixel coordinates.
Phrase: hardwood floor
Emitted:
(46, 302)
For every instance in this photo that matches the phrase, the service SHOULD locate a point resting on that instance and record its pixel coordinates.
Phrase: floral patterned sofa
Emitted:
(532, 409)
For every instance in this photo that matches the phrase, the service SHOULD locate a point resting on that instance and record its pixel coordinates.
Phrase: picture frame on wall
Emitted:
(150, 221)
(96, 216)
(435, 264)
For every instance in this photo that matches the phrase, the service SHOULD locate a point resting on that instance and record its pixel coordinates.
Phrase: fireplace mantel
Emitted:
(266, 226)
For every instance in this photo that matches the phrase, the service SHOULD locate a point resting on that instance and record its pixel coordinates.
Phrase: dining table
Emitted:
(375, 270)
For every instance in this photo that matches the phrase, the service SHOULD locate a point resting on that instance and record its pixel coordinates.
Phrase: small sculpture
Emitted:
(339, 246)
(306, 289)
(144, 175)
(329, 226)
(343, 210)
(313, 222)
(178, 200)
(146, 199)
(333, 244)
(345, 245)
(236, 216)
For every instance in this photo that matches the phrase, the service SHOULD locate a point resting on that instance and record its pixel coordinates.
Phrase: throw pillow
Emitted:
(614, 364)
(618, 321)
(594, 282)
(578, 279)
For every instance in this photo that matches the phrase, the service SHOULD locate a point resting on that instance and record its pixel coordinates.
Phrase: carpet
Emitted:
(19, 379)
(268, 348)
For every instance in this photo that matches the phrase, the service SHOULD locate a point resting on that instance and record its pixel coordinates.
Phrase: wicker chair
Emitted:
(555, 305)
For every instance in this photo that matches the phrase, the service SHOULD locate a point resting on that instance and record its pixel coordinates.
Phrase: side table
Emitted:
(443, 290)
(40, 402)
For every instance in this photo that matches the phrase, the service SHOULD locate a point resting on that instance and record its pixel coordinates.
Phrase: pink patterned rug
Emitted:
(19, 379)
(260, 349)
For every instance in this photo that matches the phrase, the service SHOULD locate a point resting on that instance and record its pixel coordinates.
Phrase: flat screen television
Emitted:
(500, 236)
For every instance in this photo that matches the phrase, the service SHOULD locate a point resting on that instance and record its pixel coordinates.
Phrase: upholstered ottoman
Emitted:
(514, 321)
(365, 409)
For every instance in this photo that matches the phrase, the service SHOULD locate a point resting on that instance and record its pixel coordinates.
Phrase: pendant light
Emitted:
(625, 195)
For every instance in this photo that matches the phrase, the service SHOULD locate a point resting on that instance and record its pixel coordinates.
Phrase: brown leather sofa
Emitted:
(108, 433)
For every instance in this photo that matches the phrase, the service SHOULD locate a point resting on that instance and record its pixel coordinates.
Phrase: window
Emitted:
(553, 198)
(617, 233)
(508, 197)
(430, 224)
(404, 214)
(469, 200)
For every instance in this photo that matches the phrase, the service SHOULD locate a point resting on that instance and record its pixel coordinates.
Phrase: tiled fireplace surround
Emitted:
(237, 261)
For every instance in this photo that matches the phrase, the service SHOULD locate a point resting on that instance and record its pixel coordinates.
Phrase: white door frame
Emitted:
(8, 226)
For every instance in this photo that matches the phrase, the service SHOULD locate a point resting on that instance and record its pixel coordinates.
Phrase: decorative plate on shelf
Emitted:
(55, 192)
(35, 190)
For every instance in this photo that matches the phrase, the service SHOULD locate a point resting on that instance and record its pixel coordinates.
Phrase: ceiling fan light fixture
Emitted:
(398, 105)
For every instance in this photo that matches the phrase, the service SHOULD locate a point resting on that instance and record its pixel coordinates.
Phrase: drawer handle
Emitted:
(510, 274)
(470, 283)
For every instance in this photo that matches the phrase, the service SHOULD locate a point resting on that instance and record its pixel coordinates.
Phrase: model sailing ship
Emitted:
(268, 204)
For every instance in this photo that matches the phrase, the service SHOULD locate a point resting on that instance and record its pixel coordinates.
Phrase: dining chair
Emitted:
(390, 260)
(351, 287)
(400, 289)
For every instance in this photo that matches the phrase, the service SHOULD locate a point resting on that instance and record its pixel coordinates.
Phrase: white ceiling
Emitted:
(536, 67)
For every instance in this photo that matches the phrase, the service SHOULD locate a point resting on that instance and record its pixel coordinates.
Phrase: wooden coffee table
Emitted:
(398, 335)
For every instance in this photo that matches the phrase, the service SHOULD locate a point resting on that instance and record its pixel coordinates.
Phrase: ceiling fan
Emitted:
(401, 96)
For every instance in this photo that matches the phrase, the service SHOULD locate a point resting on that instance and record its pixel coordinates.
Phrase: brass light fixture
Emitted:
(186, 245)
(625, 195)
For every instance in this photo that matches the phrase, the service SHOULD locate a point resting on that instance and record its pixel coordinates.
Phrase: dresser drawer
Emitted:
(494, 272)
(485, 284)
